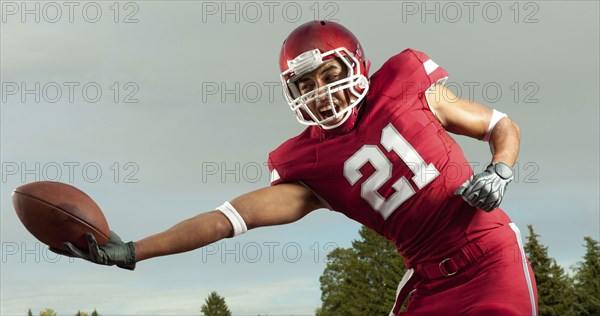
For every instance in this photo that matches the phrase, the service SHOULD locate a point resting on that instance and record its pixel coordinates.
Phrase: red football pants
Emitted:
(500, 283)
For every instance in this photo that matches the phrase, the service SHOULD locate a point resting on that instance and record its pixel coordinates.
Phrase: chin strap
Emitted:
(346, 127)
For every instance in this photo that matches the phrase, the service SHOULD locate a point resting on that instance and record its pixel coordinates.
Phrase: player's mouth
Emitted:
(327, 111)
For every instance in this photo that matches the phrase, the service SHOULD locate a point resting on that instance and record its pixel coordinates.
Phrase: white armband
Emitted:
(239, 226)
(496, 117)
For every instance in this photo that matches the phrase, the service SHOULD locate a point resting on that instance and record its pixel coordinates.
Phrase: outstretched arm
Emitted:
(280, 204)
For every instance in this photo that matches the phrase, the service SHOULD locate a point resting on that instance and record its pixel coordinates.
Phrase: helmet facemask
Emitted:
(354, 85)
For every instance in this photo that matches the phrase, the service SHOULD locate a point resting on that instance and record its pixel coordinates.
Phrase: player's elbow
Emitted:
(516, 130)
(506, 127)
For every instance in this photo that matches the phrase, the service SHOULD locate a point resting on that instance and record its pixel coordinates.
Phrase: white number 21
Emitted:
(390, 140)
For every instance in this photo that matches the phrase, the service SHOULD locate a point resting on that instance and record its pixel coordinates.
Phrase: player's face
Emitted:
(327, 73)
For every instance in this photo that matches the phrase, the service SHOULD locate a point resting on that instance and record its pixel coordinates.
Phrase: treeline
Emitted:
(51, 312)
(214, 305)
(363, 279)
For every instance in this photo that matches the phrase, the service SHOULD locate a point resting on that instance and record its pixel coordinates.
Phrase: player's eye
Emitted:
(331, 77)
(307, 87)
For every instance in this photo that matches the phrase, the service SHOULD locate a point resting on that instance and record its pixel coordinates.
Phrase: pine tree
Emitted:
(361, 280)
(48, 312)
(95, 313)
(555, 292)
(587, 280)
(215, 306)
(29, 313)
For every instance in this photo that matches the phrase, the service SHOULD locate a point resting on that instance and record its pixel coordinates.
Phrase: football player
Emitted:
(377, 149)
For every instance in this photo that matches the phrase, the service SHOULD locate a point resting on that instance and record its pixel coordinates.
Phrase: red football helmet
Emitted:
(308, 47)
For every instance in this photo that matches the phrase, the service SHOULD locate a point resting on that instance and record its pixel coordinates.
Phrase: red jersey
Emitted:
(397, 170)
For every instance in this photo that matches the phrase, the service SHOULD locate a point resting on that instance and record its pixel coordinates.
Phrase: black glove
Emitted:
(113, 252)
(486, 189)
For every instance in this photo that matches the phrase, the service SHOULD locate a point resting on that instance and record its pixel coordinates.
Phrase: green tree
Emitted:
(336, 283)
(29, 313)
(587, 280)
(79, 313)
(95, 313)
(48, 312)
(215, 305)
(361, 280)
(555, 291)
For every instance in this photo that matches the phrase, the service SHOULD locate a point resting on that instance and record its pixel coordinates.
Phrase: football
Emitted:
(54, 212)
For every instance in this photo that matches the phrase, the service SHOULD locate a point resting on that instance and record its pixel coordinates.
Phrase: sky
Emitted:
(160, 111)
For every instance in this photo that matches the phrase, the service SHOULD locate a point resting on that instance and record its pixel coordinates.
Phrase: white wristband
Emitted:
(496, 117)
(236, 220)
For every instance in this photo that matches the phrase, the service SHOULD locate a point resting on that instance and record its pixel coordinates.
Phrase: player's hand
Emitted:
(114, 252)
(486, 189)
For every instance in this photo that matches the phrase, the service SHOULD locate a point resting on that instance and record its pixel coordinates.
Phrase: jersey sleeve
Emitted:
(274, 167)
(293, 161)
(429, 71)
(409, 73)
